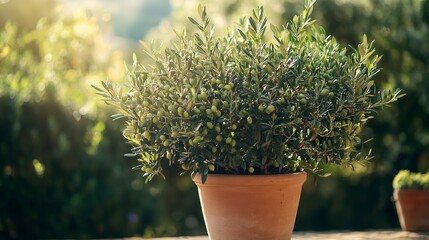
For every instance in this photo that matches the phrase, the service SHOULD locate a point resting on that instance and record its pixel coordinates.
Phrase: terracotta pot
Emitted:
(250, 206)
(413, 209)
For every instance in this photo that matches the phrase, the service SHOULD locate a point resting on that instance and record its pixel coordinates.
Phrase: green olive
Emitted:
(249, 120)
(160, 113)
(180, 111)
(136, 94)
(185, 166)
(271, 109)
(202, 96)
(146, 135)
(212, 167)
(196, 140)
(186, 115)
(217, 128)
(324, 92)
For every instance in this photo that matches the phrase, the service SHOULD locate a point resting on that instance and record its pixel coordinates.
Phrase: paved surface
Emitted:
(368, 235)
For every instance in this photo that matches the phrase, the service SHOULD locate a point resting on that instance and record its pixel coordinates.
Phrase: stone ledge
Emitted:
(364, 235)
(342, 235)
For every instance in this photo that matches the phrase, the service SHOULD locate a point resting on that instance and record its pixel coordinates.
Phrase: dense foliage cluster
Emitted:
(242, 104)
(409, 180)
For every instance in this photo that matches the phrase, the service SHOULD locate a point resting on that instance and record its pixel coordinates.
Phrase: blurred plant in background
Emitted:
(25, 14)
(57, 60)
(62, 170)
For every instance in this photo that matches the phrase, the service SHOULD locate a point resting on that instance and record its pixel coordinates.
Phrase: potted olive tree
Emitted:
(411, 195)
(247, 116)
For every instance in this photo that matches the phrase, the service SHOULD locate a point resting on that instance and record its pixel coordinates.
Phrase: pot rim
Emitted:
(256, 180)
(408, 192)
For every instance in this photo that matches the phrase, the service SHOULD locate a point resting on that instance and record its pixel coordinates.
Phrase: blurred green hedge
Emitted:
(54, 185)
(52, 188)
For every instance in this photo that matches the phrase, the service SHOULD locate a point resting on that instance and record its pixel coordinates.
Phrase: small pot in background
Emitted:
(412, 206)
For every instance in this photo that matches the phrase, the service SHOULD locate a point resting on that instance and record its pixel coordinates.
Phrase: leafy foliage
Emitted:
(409, 180)
(240, 104)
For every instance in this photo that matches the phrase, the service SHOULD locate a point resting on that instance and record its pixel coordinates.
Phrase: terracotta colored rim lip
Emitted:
(411, 190)
(406, 192)
(255, 180)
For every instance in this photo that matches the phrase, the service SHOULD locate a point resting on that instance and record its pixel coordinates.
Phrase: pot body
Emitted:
(413, 209)
(237, 207)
